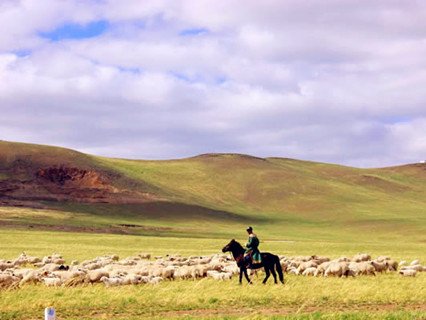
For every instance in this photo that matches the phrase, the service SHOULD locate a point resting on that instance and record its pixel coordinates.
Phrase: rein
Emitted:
(238, 253)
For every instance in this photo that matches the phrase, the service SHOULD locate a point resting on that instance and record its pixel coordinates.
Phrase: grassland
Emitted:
(216, 195)
(296, 207)
(387, 296)
(202, 298)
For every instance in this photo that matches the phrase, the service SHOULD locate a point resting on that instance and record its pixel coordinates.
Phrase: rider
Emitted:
(252, 254)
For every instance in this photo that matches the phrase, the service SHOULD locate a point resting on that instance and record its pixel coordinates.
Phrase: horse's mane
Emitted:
(239, 245)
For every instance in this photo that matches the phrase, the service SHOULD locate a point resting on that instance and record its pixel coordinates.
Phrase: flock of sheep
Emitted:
(110, 270)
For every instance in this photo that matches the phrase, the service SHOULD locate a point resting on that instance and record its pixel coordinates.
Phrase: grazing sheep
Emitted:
(382, 258)
(32, 276)
(234, 269)
(50, 267)
(392, 265)
(111, 282)
(402, 263)
(415, 262)
(338, 269)
(293, 270)
(183, 273)
(7, 280)
(361, 257)
(139, 269)
(52, 282)
(219, 275)
(309, 271)
(58, 261)
(365, 268)
(343, 259)
(379, 266)
(155, 280)
(408, 273)
(96, 275)
(146, 256)
(305, 265)
(168, 273)
(69, 274)
(6, 265)
(93, 266)
(320, 260)
(321, 268)
(132, 279)
(416, 267)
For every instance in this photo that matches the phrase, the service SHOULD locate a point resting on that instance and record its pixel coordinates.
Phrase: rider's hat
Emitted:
(249, 229)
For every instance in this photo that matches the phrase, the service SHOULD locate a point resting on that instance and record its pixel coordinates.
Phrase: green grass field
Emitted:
(199, 204)
(387, 296)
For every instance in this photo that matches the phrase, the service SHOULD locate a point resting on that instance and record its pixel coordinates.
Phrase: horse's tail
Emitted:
(279, 269)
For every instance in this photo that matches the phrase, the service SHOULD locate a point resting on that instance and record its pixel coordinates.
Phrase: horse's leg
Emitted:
(267, 275)
(274, 274)
(241, 275)
(247, 277)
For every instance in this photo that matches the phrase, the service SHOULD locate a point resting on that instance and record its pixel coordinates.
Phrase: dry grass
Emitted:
(300, 295)
(387, 296)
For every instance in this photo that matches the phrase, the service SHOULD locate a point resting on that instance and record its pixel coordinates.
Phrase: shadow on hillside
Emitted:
(156, 210)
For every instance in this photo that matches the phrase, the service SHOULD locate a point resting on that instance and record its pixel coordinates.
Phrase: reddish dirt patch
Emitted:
(61, 183)
(262, 311)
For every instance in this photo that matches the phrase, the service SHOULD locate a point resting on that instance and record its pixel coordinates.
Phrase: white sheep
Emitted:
(392, 265)
(338, 269)
(416, 267)
(402, 263)
(52, 282)
(309, 271)
(219, 275)
(415, 262)
(379, 266)
(168, 273)
(155, 280)
(364, 268)
(111, 282)
(32, 276)
(293, 270)
(96, 275)
(7, 280)
(145, 256)
(408, 273)
(361, 257)
(321, 268)
(132, 279)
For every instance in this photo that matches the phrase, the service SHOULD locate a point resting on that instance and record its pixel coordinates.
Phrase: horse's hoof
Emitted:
(250, 282)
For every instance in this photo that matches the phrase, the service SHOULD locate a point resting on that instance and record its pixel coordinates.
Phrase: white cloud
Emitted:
(329, 81)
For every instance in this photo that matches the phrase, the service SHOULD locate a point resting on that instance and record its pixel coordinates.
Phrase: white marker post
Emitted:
(49, 314)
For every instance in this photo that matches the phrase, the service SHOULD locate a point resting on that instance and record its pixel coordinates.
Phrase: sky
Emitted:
(328, 80)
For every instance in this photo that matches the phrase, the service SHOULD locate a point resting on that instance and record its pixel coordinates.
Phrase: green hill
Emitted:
(209, 195)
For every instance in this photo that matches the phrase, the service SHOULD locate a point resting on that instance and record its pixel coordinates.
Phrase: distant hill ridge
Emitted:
(211, 186)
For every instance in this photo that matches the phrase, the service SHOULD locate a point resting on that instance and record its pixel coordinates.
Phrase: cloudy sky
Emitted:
(327, 80)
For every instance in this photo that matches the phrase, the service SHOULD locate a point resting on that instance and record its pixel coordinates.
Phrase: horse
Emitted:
(270, 262)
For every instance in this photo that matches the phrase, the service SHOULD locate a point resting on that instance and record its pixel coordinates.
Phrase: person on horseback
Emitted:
(252, 254)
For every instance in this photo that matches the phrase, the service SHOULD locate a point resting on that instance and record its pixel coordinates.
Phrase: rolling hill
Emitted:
(43, 187)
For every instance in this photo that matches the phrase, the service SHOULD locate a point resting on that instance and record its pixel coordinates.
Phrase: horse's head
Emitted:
(229, 246)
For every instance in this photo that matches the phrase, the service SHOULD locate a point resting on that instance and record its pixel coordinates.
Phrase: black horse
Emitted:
(270, 262)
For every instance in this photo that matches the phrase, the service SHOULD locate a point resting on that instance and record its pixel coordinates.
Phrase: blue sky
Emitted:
(76, 31)
(339, 82)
